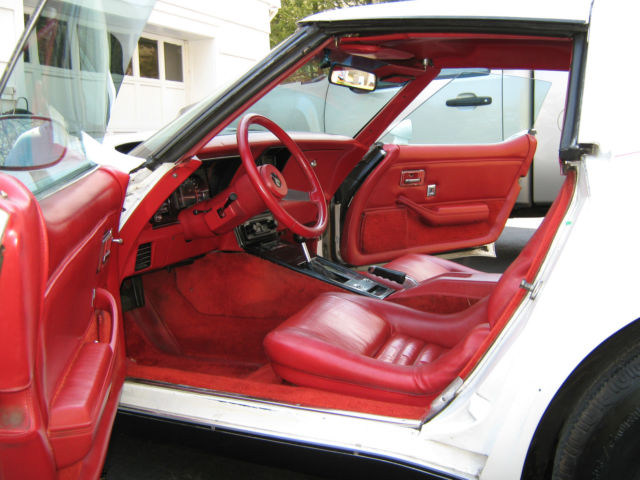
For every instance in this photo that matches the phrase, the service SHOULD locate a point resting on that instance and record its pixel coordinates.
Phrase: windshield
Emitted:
(58, 96)
(306, 102)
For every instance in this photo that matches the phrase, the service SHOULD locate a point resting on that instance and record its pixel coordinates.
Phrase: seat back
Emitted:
(508, 292)
(381, 350)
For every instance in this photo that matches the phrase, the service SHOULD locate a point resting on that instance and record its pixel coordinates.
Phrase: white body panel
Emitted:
(569, 10)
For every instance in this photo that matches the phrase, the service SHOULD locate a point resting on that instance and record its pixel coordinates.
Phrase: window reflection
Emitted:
(173, 62)
(148, 58)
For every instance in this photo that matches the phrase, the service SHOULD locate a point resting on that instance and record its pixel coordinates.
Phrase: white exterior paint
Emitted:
(611, 79)
(567, 10)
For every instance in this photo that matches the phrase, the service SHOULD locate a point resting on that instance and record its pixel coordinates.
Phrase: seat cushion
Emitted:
(367, 347)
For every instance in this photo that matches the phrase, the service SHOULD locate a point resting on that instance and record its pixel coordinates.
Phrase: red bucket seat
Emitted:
(381, 350)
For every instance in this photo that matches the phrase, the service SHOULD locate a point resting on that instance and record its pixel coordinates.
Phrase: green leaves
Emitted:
(284, 23)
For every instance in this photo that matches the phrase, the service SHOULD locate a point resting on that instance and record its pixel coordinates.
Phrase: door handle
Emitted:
(471, 100)
(411, 178)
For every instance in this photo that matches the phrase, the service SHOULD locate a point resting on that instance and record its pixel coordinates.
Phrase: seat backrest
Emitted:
(508, 292)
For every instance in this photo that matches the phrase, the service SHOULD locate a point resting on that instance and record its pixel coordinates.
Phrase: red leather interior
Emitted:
(334, 157)
(22, 284)
(139, 219)
(382, 350)
(508, 294)
(82, 393)
(74, 345)
(475, 189)
(77, 373)
(422, 267)
(368, 347)
(448, 292)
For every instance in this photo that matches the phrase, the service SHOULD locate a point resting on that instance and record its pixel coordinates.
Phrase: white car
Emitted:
(192, 287)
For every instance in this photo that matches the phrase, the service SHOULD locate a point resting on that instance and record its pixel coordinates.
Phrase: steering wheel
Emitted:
(270, 184)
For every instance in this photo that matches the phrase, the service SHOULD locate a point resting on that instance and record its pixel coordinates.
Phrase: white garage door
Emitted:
(153, 90)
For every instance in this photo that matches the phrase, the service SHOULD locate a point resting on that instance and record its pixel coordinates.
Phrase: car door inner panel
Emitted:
(434, 198)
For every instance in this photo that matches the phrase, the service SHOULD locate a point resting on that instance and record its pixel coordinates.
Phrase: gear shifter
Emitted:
(305, 251)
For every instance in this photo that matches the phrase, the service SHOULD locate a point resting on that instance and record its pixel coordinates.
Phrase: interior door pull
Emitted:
(447, 214)
(469, 101)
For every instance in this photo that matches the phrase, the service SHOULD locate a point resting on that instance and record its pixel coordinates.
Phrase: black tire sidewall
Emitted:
(601, 437)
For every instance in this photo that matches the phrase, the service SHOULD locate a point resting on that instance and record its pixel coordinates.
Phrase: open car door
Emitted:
(447, 176)
(61, 347)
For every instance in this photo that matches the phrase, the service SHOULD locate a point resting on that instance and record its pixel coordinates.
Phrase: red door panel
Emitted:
(71, 346)
(433, 198)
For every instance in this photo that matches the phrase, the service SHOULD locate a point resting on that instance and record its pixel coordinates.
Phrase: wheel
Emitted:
(601, 437)
(270, 184)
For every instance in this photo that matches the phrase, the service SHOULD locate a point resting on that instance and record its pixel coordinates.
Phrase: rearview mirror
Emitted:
(31, 142)
(353, 78)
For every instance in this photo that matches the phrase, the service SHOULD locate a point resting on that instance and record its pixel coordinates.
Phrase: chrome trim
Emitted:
(4, 221)
(310, 427)
(254, 402)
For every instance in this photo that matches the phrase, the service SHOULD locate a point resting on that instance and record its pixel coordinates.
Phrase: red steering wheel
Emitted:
(269, 182)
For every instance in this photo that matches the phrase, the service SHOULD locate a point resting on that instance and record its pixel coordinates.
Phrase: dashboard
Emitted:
(212, 177)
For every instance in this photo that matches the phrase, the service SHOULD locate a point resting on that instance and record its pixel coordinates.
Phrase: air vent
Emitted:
(143, 257)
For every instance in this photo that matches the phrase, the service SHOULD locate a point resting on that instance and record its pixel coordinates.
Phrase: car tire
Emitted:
(601, 436)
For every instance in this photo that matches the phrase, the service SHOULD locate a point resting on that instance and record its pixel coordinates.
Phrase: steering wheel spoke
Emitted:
(270, 183)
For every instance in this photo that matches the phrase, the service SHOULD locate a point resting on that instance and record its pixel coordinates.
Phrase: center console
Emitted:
(259, 237)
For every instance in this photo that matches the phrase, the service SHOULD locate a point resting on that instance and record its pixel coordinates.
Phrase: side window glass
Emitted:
(473, 109)
(57, 98)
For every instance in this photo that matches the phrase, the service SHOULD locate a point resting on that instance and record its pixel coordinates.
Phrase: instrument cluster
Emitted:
(193, 190)
(213, 176)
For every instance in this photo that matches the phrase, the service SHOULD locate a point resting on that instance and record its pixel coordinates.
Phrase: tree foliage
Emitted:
(284, 23)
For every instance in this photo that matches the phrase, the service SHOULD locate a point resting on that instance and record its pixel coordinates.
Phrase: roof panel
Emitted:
(540, 10)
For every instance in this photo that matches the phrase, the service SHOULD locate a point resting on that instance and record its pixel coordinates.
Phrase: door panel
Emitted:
(72, 355)
(431, 198)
